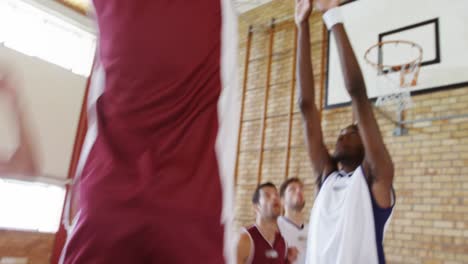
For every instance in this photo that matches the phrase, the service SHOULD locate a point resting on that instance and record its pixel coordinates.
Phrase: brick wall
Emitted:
(430, 221)
(37, 247)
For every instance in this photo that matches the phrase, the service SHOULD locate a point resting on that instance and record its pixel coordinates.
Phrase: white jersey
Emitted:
(341, 228)
(295, 236)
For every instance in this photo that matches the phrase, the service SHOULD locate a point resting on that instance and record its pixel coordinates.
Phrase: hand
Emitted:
(325, 5)
(292, 254)
(7, 87)
(303, 10)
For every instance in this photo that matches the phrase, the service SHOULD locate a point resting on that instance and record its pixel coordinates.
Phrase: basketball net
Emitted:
(395, 79)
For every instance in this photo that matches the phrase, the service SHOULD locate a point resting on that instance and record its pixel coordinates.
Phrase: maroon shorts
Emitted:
(135, 236)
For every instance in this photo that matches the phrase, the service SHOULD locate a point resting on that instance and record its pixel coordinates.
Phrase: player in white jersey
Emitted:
(355, 197)
(292, 225)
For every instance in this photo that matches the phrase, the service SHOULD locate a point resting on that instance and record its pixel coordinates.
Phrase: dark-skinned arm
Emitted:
(377, 165)
(318, 153)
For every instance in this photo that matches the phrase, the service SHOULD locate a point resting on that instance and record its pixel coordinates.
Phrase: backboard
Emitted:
(439, 27)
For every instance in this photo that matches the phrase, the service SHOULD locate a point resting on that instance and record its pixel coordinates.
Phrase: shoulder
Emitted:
(280, 221)
(244, 246)
(249, 229)
(327, 176)
(245, 237)
(331, 174)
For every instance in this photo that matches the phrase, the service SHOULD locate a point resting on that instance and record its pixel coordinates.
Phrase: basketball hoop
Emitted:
(395, 79)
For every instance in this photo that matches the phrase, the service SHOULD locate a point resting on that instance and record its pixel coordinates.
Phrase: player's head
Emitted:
(266, 201)
(292, 194)
(349, 147)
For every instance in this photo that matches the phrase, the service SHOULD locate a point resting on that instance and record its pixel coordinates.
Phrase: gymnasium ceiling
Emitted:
(242, 6)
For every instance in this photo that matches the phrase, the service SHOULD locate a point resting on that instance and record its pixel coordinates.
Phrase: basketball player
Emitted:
(156, 167)
(23, 161)
(291, 225)
(262, 242)
(355, 199)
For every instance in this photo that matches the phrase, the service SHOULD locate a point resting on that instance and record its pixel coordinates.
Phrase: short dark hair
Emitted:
(353, 126)
(286, 183)
(256, 195)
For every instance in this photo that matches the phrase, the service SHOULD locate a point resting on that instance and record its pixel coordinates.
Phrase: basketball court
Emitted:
(414, 58)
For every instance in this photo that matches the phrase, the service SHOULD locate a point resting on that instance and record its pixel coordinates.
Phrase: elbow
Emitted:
(34, 169)
(29, 169)
(357, 93)
(31, 166)
(305, 106)
(357, 89)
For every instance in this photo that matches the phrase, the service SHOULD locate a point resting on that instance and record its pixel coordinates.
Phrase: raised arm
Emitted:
(377, 164)
(23, 160)
(318, 153)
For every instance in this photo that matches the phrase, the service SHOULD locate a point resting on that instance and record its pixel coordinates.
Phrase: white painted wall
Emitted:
(53, 97)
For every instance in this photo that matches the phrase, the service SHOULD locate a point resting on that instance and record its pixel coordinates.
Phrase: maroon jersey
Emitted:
(265, 253)
(161, 143)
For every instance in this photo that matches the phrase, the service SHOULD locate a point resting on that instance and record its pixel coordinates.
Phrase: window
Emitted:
(30, 206)
(37, 33)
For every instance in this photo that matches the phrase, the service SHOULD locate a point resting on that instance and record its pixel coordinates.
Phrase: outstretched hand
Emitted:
(303, 10)
(325, 5)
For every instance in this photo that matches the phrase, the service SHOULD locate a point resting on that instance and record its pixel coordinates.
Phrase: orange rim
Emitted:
(396, 67)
